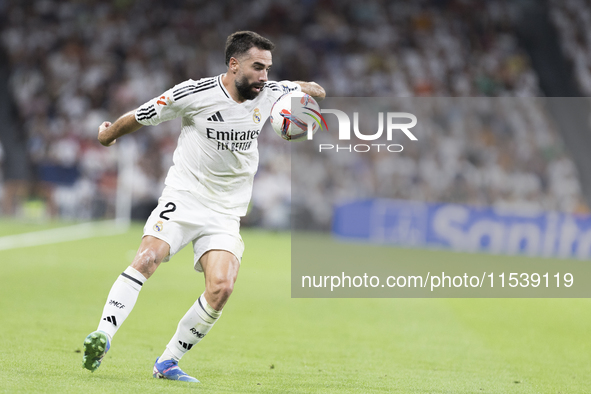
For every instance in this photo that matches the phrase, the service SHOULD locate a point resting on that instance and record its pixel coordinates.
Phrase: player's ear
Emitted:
(233, 65)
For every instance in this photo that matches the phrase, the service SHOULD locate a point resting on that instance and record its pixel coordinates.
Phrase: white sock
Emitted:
(191, 329)
(121, 300)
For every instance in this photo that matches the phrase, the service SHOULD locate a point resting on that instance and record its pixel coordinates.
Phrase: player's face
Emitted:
(253, 72)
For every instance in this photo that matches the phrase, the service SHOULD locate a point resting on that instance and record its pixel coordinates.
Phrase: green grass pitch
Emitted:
(52, 296)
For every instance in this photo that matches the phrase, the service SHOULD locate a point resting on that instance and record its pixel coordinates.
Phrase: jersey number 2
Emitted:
(171, 207)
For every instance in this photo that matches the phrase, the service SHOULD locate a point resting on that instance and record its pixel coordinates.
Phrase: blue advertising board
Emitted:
(464, 228)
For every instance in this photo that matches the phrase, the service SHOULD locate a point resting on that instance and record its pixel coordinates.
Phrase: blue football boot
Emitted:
(169, 369)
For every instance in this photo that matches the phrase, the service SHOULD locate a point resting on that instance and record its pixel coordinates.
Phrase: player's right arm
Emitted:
(171, 104)
(109, 132)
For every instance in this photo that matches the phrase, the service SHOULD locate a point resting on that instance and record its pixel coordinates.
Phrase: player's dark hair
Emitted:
(240, 42)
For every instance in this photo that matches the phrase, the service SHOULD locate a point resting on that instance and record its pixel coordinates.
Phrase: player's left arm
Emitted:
(313, 89)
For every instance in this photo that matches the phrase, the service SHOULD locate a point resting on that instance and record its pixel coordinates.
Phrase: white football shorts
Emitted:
(180, 218)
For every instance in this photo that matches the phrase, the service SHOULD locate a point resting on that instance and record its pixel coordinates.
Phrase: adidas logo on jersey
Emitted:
(217, 117)
(111, 319)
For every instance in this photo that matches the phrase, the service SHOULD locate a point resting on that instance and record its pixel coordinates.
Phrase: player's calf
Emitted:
(192, 328)
(218, 292)
(221, 270)
(121, 300)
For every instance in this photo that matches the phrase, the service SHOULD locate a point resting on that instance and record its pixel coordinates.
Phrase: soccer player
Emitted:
(207, 189)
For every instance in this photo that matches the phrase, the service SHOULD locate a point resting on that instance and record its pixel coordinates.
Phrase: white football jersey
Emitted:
(216, 156)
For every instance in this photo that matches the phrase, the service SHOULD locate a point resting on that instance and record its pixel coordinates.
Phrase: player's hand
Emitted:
(103, 135)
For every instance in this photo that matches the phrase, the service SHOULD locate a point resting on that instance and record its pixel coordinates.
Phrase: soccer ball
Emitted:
(292, 113)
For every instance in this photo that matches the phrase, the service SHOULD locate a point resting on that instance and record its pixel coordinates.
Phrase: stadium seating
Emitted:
(75, 64)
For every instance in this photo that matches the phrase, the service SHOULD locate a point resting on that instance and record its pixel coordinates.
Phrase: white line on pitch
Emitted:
(63, 234)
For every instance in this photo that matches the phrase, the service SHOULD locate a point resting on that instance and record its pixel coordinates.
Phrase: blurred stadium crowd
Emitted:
(573, 18)
(502, 152)
(75, 64)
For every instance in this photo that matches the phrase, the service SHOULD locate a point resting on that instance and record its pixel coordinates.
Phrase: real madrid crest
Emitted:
(256, 116)
(159, 226)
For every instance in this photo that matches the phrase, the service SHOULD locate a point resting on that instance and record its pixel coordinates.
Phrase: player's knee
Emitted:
(146, 261)
(222, 289)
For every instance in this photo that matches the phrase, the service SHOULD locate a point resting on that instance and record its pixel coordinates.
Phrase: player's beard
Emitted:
(246, 90)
